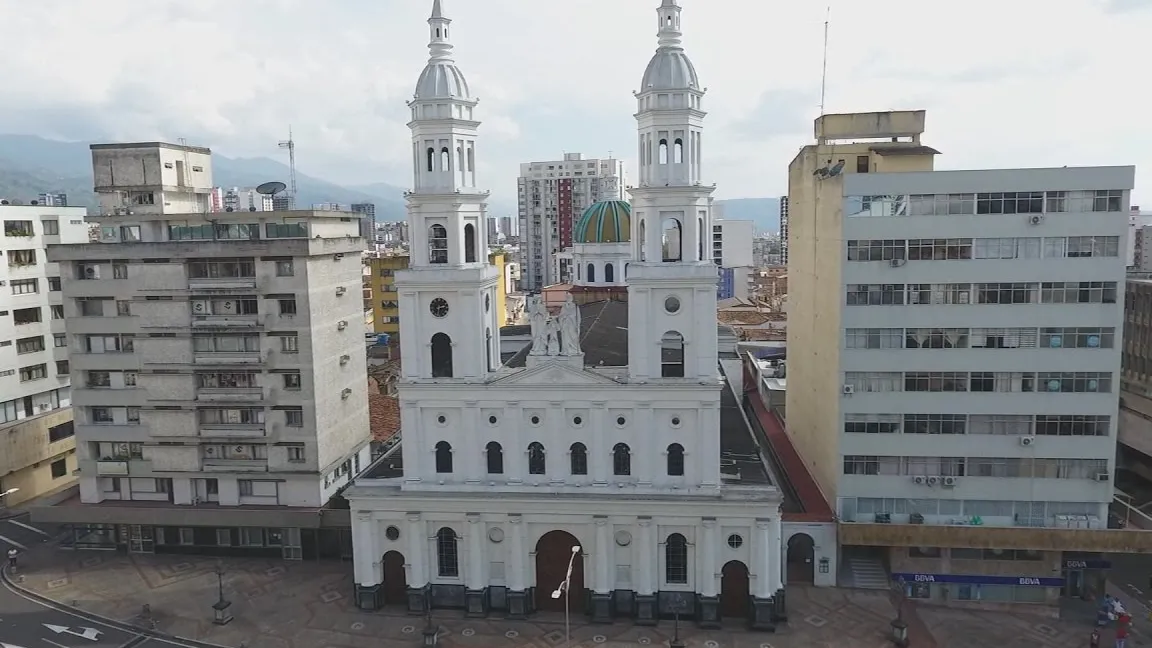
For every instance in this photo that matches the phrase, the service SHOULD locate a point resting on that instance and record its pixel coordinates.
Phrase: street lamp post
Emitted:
(563, 590)
(222, 615)
(899, 626)
(9, 492)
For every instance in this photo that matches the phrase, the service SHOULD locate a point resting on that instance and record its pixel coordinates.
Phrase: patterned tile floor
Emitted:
(309, 605)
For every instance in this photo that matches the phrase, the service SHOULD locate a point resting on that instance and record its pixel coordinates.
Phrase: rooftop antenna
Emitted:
(290, 144)
(824, 66)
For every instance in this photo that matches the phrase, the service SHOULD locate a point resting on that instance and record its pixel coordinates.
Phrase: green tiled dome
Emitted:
(608, 221)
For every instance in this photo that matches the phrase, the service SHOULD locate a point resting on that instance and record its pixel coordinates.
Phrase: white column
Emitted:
(365, 554)
(776, 549)
(765, 558)
(600, 454)
(555, 464)
(475, 553)
(514, 451)
(643, 457)
(518, 558)
(645, 553)
(603, 556)
(417, 563)
(471, 457)
(707, 558)
(412, 450)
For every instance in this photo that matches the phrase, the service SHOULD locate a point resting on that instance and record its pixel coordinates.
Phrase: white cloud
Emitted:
(1020, 83)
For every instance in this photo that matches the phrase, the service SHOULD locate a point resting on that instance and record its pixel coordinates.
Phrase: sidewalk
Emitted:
(306, 605)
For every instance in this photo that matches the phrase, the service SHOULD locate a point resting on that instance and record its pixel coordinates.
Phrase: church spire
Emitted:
(669, 32)
(439, 47)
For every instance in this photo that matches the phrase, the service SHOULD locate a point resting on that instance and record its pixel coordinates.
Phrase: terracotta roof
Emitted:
(740, 316)
(383, 413)
(763, 335)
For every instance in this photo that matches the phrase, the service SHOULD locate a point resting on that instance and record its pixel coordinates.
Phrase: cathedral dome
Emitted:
(608, 221)
(442, 80)
(670, 69)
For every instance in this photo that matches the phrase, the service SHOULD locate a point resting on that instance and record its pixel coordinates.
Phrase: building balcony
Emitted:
(232, 395)
(233, 430)
(109, 468)
(222, 284)
(236, 358)
(235, 465)
(226, 321)
(1004, 537)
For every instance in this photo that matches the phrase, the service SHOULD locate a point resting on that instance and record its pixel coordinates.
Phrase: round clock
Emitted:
(438, 307)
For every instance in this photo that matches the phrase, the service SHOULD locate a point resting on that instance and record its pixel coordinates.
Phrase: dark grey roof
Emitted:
(603, 336)
(739, 453)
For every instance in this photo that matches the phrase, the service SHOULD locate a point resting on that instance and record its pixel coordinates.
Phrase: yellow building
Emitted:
(37, 456)
(385, 303)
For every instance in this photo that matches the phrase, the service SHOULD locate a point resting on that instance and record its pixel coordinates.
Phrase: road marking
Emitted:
(30, 528)
(13, 543)
(87, 633)
(53, 643)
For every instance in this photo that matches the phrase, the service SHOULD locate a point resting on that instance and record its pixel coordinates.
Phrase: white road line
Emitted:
(53, 643)
(29, 527)
(13, 543)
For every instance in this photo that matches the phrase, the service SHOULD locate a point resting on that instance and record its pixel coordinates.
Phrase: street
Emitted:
(19, 533)
(1131, 573)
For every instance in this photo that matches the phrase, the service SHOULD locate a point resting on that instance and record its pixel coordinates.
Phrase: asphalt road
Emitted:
(19, 533)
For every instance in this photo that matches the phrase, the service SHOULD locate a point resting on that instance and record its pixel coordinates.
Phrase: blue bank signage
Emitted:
(974, 579)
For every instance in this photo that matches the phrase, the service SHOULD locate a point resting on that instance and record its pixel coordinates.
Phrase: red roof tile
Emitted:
(383, 413)
(816, 508)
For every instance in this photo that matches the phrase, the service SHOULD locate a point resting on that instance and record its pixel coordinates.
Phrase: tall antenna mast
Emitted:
(290, 144)
(824, 68)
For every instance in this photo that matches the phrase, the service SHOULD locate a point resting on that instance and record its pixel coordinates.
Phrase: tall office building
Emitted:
(214, 360)
(954, 357)
(367, 221)
(35, 417)
(552, 196)
(507, 226)
(493, 228)
(784, 230)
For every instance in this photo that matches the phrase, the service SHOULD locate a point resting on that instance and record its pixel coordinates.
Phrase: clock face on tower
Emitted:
(438, 307)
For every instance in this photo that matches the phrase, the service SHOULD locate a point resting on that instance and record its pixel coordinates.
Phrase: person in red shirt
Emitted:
(1122, 630)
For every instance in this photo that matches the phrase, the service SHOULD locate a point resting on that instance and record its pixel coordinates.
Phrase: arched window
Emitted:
(675, 460)
(676, 559)
(437, 244)
(495, 456)
(672, 240)
(469, 243)
(578, 459)
(488, 348)
(663, 152)
(447, 556)
(536, 463)
(678, 151)
(445, 159)
(441, 356)
(443, 457)
(621, 459)
(609, 273)
(591, 273)
(672, 355)
(431, 159)
(643, 242)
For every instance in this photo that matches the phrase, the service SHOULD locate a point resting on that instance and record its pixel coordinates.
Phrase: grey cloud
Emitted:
(777, 112)
(1125, 6)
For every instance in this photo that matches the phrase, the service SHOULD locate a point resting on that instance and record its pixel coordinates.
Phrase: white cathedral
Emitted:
(613, 443)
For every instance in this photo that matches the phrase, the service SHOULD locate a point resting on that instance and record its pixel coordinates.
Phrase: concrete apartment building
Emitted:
(552, 196)
(217, 361)
(732, 252)
(37, 451)
(1134, 456)
(927, 307)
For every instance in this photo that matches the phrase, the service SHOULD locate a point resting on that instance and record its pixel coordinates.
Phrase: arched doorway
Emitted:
(734, 590)
(801, 558)
(553, 552)
(395, 580)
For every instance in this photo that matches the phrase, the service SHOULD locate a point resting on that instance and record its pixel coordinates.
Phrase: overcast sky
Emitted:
(1005, 82)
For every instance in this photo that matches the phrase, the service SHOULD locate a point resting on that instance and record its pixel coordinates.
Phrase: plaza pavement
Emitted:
(309, 605)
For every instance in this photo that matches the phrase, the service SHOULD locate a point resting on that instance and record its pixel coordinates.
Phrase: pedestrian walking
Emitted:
(1094, 639)
(12, 553)
(1121, 635)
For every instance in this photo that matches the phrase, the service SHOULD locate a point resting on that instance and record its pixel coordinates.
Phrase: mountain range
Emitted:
(30, 165)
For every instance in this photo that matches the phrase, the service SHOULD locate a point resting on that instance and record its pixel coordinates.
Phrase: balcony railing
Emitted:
(235, 465)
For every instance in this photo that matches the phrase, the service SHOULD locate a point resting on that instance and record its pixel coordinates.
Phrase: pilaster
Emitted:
(517, 583)
(475, 601)
(645, 553)
(515, 463)
(473, 467)
(644, 455)
(417, 575)
(599, 455)
(602, 588)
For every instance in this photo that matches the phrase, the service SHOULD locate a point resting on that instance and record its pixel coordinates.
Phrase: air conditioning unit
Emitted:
(895, 263)
(950, 481)
(341, 325)
(337, 256)
(919, 479)
(933, 480)
(341, 290)
(1027, 440)
(345, 359)
(346, 393)
(1035, 219)
(228, 307)
(199, 308)
(1103, 477)
(849, 390)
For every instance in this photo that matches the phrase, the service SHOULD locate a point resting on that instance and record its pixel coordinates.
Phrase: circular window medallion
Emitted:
(623, 538)
(492, 420)
(620, 420)
(487, 303)
(735, 541)
(535, 420)
(496, 534)
(438, 307)
(577, 421)
(392, 533)
(675, 421)
(672, 304)
(441, 419)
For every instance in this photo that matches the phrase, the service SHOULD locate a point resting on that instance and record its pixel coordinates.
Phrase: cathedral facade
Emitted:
(607, 467)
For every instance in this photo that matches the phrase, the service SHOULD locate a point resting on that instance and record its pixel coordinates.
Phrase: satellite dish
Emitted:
(271, 188)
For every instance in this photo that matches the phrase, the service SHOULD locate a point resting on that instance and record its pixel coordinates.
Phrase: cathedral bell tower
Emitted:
(672, 329)
(450, 329)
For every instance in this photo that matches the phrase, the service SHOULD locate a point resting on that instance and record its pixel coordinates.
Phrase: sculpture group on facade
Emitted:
(554, 336)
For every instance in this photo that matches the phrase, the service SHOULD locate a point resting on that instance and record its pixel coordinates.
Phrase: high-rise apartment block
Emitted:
(954, 356)
(36, 445)
(217, 361)
(552, 196)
